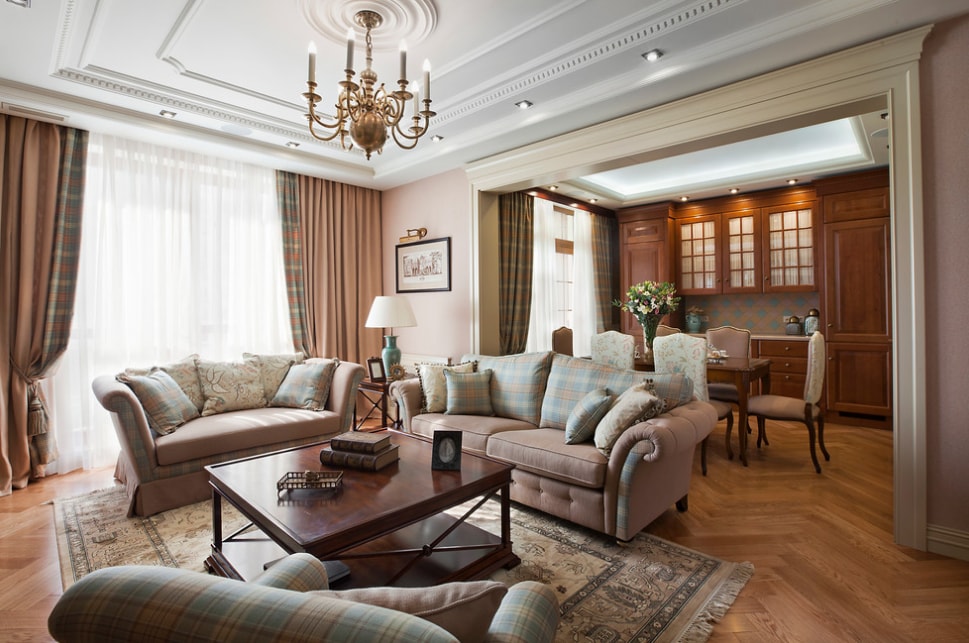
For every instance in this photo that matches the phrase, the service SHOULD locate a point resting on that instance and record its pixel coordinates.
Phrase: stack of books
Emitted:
(360, 450)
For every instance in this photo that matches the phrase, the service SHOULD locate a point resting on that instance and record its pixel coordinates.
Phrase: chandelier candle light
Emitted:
(365, 113)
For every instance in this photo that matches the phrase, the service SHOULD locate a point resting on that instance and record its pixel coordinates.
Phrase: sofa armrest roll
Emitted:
(343, 391)
(130, 422)
(406, 394)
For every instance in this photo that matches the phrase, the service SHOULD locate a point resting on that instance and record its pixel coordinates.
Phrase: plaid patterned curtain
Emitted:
(40, 233)
(516, 233)
(605, 259)
(287, 195)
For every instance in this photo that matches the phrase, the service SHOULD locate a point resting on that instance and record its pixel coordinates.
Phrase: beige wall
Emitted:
(442, 204)
(945, 153)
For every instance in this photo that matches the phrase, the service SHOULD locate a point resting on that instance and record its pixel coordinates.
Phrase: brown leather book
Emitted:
(355, 460)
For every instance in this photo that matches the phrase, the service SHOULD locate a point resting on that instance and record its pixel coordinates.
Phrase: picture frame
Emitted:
(446, 455)
(424, 266)
(375, 368)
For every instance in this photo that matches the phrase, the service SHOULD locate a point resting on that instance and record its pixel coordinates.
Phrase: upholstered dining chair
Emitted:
(562, 340)
(662, 330)
(805, 410)
(681, 353)
(736, 342)
(615, 349)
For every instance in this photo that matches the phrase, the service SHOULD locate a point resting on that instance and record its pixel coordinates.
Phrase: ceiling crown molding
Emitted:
(410, 20)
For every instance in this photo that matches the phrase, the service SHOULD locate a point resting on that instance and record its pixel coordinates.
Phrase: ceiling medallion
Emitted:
(363, 112)
(410, 20)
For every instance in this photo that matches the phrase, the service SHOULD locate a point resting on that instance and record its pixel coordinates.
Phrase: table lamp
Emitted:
(390, 312)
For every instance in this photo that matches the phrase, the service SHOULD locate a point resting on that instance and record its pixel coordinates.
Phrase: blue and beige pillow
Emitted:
(518, 383)
(166, 405)
(272, 369)
(469, 393)
(306, 385)
(184, 373)
(586, 415)
(434, 386)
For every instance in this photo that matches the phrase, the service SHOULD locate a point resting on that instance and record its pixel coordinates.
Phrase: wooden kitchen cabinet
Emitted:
(698, 255)
(788, 365)
(790, 243)
(857, 297)
(644, 252)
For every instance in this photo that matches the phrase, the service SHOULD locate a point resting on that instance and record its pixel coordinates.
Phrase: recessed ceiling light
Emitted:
(653, 55)
(684, 198)
(734, 190)
(593, 200)
(167, 114)
(292, 144)
(437, 138)
(553, 188)
(791, 181)
(524, 104)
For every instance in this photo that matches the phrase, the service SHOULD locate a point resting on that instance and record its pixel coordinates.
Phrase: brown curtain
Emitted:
(516, 231)
(41, 188)
(605, 262)
(338, 246)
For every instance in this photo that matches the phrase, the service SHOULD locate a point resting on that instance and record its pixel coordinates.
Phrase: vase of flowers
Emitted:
(649, 301)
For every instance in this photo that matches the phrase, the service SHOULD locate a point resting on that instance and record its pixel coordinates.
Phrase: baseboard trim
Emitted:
(948, 542)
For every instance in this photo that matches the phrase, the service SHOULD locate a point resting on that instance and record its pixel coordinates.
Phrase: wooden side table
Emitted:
(376, 394)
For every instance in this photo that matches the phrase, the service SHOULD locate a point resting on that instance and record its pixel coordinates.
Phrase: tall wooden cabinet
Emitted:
(644, 240)
(857, 297)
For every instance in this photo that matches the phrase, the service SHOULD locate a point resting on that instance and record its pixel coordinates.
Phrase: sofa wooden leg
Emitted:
(682, 504)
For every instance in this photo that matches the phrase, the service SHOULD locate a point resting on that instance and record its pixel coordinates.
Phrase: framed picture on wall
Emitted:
(424, 266)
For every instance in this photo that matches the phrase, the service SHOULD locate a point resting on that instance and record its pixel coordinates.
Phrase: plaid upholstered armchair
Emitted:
(290, 602)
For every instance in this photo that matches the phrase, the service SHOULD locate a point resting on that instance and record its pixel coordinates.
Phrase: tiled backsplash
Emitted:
(760, 313)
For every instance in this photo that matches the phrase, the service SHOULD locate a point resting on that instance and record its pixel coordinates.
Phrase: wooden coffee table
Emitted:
(388, 526)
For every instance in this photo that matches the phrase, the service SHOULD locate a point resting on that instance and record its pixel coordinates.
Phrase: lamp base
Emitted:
(390, 354)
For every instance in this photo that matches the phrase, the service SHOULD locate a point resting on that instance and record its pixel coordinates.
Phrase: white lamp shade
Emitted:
(390, 312)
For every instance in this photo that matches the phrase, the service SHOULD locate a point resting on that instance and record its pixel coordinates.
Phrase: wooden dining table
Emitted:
(741, 372)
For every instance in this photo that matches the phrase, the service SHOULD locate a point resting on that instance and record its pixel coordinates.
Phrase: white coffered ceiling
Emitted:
(233, 70)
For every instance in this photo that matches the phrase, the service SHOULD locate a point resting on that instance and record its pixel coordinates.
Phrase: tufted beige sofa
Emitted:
(648, 470)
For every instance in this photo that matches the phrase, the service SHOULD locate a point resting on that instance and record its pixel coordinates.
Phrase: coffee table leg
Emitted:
(216, 520)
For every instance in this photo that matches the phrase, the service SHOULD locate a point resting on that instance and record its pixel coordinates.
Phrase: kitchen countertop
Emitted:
(757, 335)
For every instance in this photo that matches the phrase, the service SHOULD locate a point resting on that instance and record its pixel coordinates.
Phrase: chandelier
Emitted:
(364, 115)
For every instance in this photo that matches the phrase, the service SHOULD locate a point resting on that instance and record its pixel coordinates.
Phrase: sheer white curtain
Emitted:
(584, 303)
(181, 253)
(541, 321)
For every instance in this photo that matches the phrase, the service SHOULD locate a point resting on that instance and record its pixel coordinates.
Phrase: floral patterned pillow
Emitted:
(230, 386)
(273, 369)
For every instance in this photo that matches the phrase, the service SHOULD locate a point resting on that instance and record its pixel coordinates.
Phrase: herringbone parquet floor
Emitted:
(826, 567)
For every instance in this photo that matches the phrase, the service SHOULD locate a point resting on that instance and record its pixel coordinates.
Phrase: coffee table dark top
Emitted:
(369, 504)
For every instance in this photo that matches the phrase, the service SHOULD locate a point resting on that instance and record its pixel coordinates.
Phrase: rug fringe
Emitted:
(702, 626)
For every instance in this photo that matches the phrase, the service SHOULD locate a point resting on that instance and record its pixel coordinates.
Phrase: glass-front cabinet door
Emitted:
(741, 251)
(698, 272)
(790, 246)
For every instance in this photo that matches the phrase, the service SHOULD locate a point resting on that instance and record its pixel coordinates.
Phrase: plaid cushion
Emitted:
(272, 369)
(185, 374)
(306, 386)
(518, 384)
(586, 415)
(165, 404)
(433, 386)
(571, 378)
(469, 393)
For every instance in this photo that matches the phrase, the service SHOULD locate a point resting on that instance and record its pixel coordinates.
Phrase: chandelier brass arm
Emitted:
(364, 114)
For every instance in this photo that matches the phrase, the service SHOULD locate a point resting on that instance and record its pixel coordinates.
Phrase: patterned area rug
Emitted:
(646, 590)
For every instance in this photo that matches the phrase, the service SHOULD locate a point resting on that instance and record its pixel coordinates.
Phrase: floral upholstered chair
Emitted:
(681, 353)
(615, 349)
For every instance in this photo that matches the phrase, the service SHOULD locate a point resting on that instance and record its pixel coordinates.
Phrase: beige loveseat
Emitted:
(532, 397)
(163, 471)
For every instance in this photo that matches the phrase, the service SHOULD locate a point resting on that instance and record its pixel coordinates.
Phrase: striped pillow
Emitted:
(469, 393)
(165, 403)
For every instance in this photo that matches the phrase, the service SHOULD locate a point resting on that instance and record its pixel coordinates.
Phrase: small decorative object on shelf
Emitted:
(694, 319)
(397, 372)
(309, 480)
(811, 321)
(649, 301)
(793, 326)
